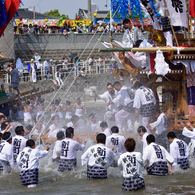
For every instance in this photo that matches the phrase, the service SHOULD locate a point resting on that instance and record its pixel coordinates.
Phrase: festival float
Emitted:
(168, 71)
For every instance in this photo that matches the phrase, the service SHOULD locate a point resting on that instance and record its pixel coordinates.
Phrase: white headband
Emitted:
(9, 137)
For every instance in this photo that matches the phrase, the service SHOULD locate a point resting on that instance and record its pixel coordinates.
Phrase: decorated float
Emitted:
(169, 71)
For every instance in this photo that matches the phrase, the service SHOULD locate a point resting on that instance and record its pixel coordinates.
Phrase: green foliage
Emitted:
(55, 13)
(76, 16)
(117, 14)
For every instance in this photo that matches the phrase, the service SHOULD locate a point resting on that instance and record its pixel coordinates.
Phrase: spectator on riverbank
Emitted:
(36, 57)
(15, 79)
(39, 66)
(100, 28)
(90, 28)
(79, 28)
(47, 69)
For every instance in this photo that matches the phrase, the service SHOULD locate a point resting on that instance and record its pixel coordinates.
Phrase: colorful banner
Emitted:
(74, 23)
(177, 11)
(57, 22)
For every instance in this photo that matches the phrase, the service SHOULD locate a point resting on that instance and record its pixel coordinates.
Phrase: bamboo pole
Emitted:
(163, 49)
(147, 49)
(170, 23)
(188, 29)
(185, 32)
(191, 29)
(114, 50)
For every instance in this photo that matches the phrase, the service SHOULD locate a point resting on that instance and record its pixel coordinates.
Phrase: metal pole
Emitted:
(89, 9)
(33, 12)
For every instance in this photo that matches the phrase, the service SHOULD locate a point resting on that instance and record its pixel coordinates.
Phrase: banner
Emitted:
(192, 8)
(177, 11)
(152, 14)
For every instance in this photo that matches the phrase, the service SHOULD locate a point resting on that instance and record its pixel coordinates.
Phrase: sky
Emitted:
(67, 7)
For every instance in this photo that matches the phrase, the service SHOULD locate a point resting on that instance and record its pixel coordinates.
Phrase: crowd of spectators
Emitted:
(66, 28)
(56, 70)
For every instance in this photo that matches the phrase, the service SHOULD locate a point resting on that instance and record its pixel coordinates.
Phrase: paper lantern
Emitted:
(95, 14)
(46, 20)
(61, 19)
(78, 17)
(20, 18)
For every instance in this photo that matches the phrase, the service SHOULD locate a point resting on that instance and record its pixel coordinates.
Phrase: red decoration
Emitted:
(78, 17)
(20, 18)
(11, 8)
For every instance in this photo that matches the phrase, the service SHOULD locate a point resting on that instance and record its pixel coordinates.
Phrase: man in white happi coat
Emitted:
(179, 151)
(117, 142)
(144, 102)
(143, 133)
(131, 35)
(124, 101)
(68, 149)
(105, 129)
(6, 153)
(28, 162)
(18, 142)
(161, 127)
(97, 158)
(156, 157)
(190, 134)
(108, 96)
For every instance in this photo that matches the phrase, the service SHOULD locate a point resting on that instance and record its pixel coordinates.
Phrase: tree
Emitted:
(55, 13)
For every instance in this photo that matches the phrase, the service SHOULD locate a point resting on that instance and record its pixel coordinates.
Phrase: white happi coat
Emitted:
(28, 159)
(107, 132)
(151, 155)
(190, 134)
(143, 96)
(178, 150)
(160, 124)
(144, 141)
(6, 152)
(122, 98)
(68, 148)
(107, 97)
(18, 143)
(56, 154)
(132, 163)
(129, 38)
(117, 141)
(98, 155)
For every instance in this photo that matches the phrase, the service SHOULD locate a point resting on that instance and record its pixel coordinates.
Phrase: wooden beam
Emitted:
(163, 49)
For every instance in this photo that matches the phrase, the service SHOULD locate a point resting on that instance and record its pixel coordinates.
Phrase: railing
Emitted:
(96, 68)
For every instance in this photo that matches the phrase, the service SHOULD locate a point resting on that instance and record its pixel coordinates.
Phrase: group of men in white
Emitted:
(112, 150)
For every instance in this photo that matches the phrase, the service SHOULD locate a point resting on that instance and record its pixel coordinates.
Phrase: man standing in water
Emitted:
(68, 149)
(125, 101)
(155, 158)
(108, 96)
(98, 158)
(178, 150)
(78, 107)
(144, 102)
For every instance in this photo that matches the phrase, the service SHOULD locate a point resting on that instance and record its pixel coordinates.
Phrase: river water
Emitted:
(76, 182)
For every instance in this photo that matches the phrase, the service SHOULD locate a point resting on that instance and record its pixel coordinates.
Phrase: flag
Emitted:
(192, 8)
(11, 7)
(177, 11)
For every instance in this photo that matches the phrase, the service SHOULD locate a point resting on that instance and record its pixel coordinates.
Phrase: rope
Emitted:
(102, 33)
(56, 110)
(63, 84)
